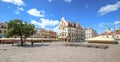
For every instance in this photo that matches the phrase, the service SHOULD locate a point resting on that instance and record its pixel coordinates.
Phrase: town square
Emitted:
(60, 31)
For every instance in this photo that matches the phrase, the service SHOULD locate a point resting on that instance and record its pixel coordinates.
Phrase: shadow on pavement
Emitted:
(29, 45)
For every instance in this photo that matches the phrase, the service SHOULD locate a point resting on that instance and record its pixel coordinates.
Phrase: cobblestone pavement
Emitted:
(56, 52)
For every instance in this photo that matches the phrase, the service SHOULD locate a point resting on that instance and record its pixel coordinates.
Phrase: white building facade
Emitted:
(42, 33)
(70, 32)
(90, 33)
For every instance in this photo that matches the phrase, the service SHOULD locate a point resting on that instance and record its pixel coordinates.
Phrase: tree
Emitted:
(19, 28)
(28, 30)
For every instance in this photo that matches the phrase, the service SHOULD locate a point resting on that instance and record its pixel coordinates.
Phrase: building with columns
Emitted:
(70, 32)
(90, 33)
(3, 28)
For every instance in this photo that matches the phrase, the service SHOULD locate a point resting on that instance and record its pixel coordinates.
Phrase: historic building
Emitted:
(3, 28)
(52, 34)
(109, 34)
(117, 34)
(69, 31)
(90, 33)
(42, 33)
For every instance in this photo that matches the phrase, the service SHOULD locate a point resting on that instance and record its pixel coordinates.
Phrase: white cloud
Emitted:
(37, 24)
(68, 1)
(117, 25)
(117, 28)
(20, 8)
(15, 2)
(117, 22)
(103, 24)
(17, 11)
(35, 12)
(49, 0)
(45, 23)
(109, 8)
(56, 29)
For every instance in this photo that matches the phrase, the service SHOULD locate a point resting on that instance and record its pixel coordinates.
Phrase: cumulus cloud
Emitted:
(44, 23)
(109, 8)
(15, 2)
(117, 22)
(37, 13)
(47, 22)
(68, 1)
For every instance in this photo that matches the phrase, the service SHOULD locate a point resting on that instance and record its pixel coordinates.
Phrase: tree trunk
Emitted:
(21, 40)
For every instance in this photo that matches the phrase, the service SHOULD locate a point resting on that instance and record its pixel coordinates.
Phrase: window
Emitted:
(0, 31)
(117, 36)
(69, 34)
(64, 34)
(2, 26)
(4, 31)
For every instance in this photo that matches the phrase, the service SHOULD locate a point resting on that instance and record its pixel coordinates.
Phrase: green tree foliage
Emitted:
(19, 28)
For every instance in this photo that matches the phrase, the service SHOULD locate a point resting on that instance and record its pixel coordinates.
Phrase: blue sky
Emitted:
(96, 14)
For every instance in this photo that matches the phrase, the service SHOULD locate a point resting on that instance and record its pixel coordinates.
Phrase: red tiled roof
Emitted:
(71, 24)
(118, 33)
(107, 33)
(3, 25)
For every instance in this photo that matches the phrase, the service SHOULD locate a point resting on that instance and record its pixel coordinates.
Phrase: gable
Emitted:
(63, 23)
